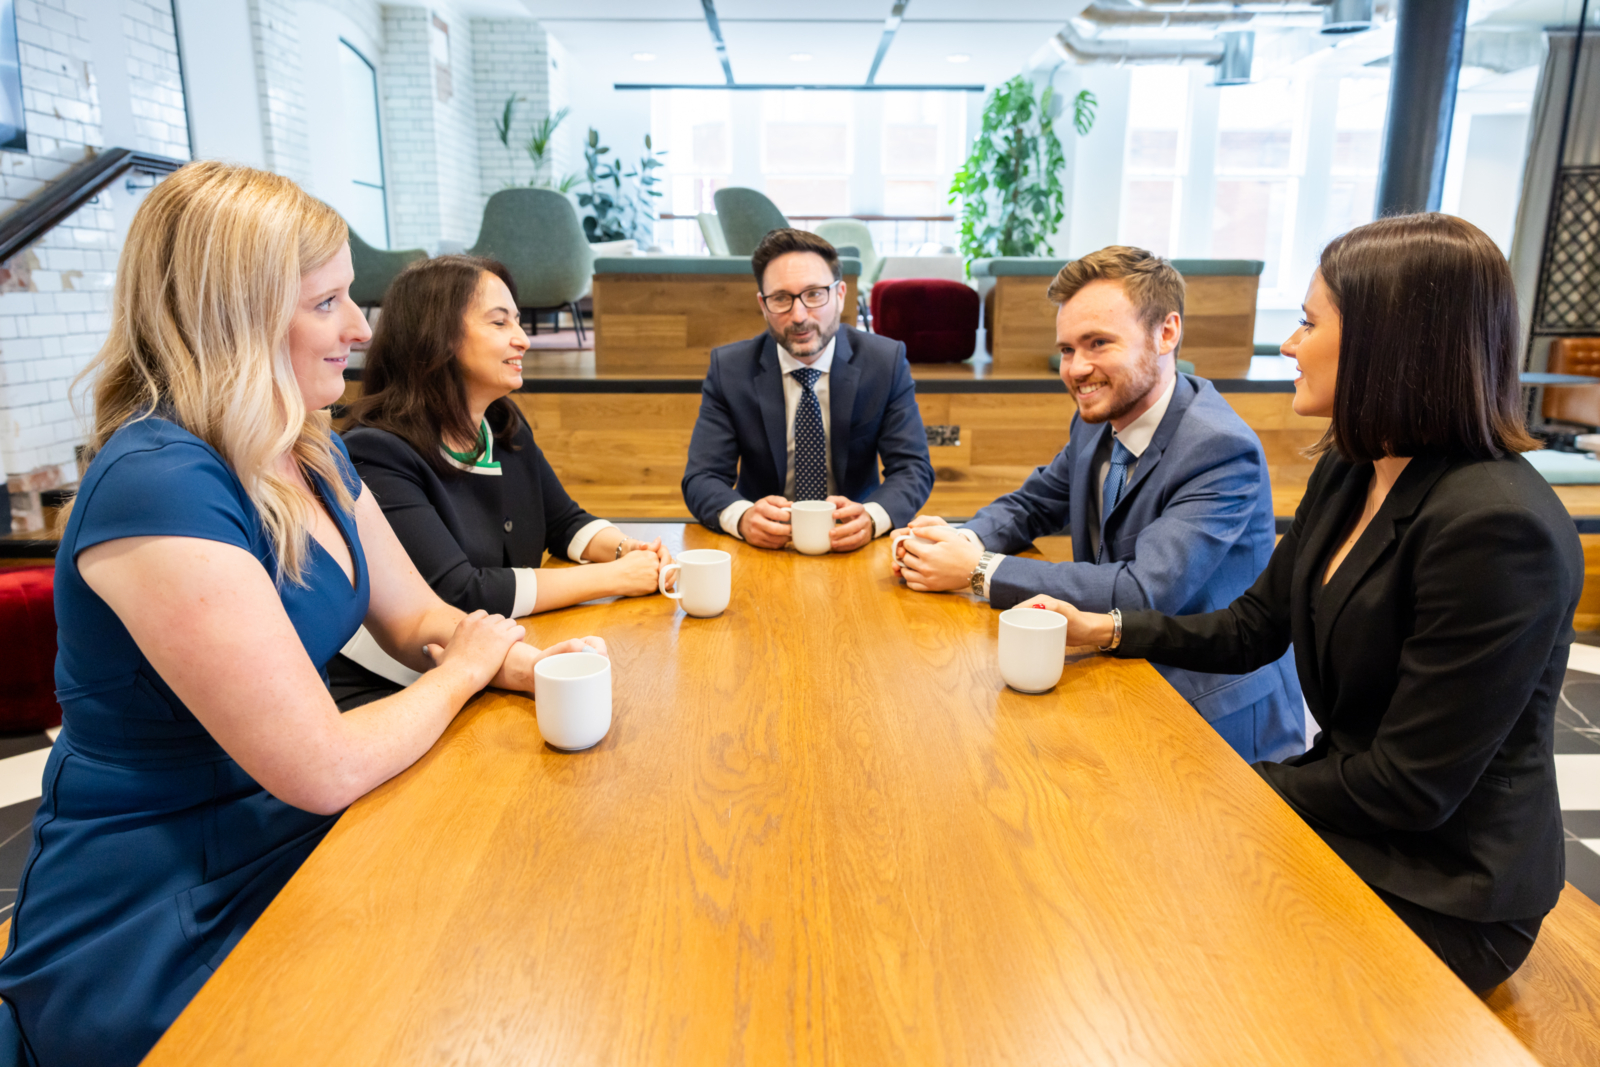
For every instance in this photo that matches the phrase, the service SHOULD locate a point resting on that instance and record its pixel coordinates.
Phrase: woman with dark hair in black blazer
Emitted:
(454, 466)
(1428, 584)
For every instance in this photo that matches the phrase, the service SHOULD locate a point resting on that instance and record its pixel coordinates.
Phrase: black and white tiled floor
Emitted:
(22, 758)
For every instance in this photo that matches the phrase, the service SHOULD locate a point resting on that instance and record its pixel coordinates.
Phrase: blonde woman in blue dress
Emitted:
(220, 551)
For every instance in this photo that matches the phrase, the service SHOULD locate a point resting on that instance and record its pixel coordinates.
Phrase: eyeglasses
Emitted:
(779, 303)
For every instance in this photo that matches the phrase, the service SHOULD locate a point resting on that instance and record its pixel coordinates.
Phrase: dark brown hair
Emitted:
(412, 384)
(1151, 284)
(1427, 342)
(781, 242)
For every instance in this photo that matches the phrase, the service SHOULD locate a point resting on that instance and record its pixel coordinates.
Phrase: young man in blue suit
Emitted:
(1163, 487)
(805, 412)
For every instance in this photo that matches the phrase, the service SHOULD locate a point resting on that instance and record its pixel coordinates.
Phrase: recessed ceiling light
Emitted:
(957, 57)
(644, 57)
(800, 57)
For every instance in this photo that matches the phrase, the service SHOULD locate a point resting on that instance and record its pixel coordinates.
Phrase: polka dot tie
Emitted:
(810, 440)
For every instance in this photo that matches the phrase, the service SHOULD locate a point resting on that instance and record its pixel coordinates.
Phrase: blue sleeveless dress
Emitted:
(153, 852)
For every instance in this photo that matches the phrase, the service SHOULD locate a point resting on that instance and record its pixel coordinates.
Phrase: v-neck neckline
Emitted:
(320, 499)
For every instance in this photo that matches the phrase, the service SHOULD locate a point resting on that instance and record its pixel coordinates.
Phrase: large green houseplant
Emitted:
(1010, 188)
(621, 203)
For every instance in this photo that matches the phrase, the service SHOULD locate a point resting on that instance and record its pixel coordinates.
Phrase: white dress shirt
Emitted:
(1135, 437)
(792, 392)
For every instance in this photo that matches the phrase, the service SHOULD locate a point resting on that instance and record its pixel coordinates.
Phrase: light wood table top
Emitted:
(821, 830)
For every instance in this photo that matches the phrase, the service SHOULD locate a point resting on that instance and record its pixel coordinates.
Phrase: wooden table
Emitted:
(822, 831)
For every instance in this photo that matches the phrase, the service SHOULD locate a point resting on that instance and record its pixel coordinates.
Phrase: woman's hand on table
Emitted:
(1083, 628)
(518, 670)
(637, 569)
(478, 648)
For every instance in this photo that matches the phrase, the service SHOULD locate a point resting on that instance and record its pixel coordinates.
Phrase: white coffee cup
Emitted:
(811, 526)
(1033, 647)
(572, 698)
(705, 581)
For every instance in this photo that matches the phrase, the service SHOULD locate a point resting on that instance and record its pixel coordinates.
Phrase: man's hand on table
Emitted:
(944, 564)
(766, 523)
(852, 525)
(915, 524)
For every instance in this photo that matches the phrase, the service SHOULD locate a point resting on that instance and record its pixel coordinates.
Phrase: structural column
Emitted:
(1422, 100)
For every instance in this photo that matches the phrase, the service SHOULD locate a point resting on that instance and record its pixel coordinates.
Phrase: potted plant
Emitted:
(1010, 188)
(621, 202)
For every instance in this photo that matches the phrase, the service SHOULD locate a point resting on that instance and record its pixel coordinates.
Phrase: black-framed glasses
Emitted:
(780, 303)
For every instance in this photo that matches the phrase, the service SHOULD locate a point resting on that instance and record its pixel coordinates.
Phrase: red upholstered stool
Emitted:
(936, 317)
(28, 634)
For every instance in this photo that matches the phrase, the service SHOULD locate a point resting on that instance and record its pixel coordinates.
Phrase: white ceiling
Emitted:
(841, 36)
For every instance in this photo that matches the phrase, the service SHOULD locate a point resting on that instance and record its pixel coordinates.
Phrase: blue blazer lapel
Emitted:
(1086, 440)
(1183, 395)
(768, 382)
(842, 379)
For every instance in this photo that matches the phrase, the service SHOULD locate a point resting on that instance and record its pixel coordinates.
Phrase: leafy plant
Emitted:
(621, 202)
(538, 149)
(502, 125)
(1010, 187)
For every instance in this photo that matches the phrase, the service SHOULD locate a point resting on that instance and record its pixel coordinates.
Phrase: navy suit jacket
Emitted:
(1192, 531)
(739, 450)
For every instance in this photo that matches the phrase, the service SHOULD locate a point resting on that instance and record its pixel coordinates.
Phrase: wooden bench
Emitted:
(1552, 1003)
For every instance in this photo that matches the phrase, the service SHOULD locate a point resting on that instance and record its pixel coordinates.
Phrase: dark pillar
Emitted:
(1422, 102)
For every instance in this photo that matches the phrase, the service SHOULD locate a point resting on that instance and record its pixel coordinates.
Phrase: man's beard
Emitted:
(1126, 395)
(824, 333)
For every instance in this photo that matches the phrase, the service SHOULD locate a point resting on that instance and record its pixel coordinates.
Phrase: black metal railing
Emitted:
(66, 194)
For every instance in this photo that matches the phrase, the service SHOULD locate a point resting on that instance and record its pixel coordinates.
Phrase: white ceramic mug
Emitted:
(1033, 647)
(705, 581)
(572, 698)
(811, 526)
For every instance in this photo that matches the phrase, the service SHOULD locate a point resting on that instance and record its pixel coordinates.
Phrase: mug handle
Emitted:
(894, 548)
(661, 581)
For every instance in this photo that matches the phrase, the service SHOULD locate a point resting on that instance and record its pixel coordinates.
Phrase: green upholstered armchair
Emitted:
(746, 217)
(375, 269)
(537, 235)
(841, 232)
(711, 230)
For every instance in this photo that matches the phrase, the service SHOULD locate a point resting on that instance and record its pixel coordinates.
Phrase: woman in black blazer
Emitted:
(455, 468)
(1427, 583)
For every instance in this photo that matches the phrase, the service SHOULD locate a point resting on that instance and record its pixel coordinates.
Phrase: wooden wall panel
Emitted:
(1218, 331)
(667, 324)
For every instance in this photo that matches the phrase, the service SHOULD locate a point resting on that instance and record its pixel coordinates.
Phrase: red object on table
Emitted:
(28, 633)
(936, 318)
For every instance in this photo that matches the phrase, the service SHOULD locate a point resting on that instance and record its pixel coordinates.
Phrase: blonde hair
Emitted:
(206, 290)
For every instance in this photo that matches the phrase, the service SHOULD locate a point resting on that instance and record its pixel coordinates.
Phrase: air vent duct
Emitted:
(1347, 16)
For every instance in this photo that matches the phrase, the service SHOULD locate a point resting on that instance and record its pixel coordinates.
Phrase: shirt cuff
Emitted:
(989, 568)
(731, 515)
(364, 649)
(580, 541)
(881, 523)
(527, 594)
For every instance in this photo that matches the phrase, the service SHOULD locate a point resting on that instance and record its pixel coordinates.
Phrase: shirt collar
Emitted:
(822, 363)
(1137, 435)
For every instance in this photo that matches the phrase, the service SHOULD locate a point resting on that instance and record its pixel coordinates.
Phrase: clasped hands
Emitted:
(639, 565)
(766, 524)
(489, 649)
(937, 559)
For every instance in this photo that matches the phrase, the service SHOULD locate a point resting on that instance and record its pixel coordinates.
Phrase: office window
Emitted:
(1254, 168)
(361, 198)
(913, 154)
(806, 151)
(1155, 163)
(1357, 147)
(695, 129)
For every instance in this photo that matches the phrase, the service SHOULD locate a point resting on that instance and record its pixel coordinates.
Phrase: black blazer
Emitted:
(466, 531)
(1432, 663)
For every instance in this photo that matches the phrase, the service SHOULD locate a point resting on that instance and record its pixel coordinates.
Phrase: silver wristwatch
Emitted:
(977, 573)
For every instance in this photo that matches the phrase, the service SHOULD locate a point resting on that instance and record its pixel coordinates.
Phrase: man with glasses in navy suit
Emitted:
(1162, 486)
(806, 411)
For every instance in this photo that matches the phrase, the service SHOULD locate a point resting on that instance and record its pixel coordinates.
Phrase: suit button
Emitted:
(508, 526)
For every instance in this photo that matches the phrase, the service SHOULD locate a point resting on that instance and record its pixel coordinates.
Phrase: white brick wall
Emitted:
(275, 30)
(509, 56)
(55, 296)
(155, 87)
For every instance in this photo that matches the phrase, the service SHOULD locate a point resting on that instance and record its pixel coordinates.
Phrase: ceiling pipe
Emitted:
(1124, 13)
(1073, 46)
(1252, 7)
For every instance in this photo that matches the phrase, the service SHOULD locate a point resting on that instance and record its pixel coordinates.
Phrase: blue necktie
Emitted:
(810, 440)
(1122, 462)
